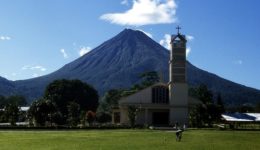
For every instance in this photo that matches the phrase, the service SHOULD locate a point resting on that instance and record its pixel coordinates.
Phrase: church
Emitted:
(161, 104)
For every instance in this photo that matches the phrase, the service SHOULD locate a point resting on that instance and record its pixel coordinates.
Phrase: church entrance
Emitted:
(161, 118)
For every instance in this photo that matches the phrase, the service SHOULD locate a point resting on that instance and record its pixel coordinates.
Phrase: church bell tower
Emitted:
(178, 87)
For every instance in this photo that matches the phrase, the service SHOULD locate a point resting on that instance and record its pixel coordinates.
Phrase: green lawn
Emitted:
(129, 139)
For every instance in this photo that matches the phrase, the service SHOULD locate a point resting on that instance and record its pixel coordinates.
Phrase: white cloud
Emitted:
(84, 50)
(238, 62)
(147, 33)
(166, 41)
(188, 50)
(65, 55)
(189, 37)
(145, 12)
(37, 67)
(124, 2)
(3, 38)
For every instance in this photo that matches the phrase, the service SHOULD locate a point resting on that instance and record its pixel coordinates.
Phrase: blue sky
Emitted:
(39, 37)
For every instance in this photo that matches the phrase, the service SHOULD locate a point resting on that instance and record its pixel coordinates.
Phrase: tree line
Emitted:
(65, 102)
(10, 109)
(72, 103)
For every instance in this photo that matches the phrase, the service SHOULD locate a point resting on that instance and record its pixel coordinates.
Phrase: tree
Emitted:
(132, 112)
(73, 113)
(149, 78)
(109, 100)
(17, 99)
(220, 108)
(83, 118)
(90, 117)
(246, 108)
(11, 106)
(197, 115)
(257, 108)
(12, 113)
(103, 117)
(112, 96)
(2, 105)
(207, 112)
(2, 101)
(136, 87)
(220, 103)
(104, 112)
(203, 94)
(63, 92)
(43, 111)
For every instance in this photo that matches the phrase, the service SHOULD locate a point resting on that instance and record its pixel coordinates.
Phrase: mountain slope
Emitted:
(6, 87)
(232, 93)
(118, 62)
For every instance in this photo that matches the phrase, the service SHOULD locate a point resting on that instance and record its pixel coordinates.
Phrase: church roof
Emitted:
(241, 117)
(180, 36)
(140, 91)
(144, 96)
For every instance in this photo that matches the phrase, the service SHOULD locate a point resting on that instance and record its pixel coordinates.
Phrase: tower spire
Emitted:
(178, 29)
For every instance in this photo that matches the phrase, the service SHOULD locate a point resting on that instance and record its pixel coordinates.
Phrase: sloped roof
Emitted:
(192, 101)
(182, 37)
(241, 117)
(21, 109)
(141, 91)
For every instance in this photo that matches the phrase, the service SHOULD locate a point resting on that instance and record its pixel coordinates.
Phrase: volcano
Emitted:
(118, 62)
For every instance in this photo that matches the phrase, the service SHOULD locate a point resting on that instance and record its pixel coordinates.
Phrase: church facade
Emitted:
(161, 104)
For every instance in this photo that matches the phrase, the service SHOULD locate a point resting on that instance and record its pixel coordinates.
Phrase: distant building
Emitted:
(21, 109)
(162, 104)
(21, 118)
(241, 120)
(241, 117)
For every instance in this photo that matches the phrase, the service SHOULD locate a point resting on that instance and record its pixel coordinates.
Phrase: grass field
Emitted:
(129, 139)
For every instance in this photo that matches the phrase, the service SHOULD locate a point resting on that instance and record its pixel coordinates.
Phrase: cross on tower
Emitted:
(178, 29)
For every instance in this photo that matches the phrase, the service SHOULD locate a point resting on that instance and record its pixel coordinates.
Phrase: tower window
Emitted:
(160, 94)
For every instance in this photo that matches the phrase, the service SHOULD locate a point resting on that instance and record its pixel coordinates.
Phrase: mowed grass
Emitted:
(129, 140)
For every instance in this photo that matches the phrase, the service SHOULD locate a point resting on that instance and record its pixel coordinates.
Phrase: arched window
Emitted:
(160, 94)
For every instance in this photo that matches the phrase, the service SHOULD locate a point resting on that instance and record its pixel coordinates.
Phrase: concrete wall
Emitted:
(140, 119)
(179, 94)
(179, 101)
(180, 115)
(124, 116)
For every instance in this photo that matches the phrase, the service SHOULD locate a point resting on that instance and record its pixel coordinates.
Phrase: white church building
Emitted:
(161, 103)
